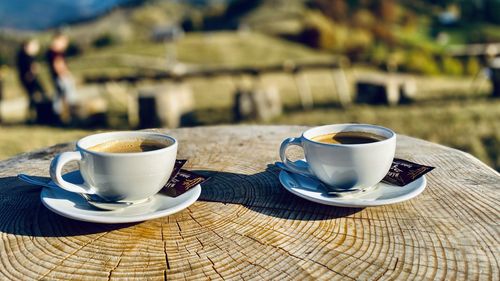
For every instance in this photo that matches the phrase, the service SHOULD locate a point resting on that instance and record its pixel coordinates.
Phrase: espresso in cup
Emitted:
(128, 146)
(348, 138)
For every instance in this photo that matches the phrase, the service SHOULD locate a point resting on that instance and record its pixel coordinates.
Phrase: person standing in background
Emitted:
(27, 69)
(62, 78)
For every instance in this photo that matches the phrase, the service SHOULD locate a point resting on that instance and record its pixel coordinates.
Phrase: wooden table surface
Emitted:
(245, 225)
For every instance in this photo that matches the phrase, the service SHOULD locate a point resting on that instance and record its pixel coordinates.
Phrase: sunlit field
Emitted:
(453, 111)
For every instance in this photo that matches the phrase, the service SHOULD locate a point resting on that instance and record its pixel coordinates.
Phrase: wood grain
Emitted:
(245, 225)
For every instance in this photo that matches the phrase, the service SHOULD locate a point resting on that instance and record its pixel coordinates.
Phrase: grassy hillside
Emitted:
(217, 48)
(450, 111)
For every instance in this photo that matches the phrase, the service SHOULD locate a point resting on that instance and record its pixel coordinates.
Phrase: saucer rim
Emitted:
(352, 202)
(115, 216)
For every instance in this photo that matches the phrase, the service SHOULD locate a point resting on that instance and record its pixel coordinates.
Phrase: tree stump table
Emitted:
(246, 226)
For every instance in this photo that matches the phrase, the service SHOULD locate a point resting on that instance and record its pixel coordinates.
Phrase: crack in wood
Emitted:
(167, 263)
(70, 255)
(116, 266)
(215, 269)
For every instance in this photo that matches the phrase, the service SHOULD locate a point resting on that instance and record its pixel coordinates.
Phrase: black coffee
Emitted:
(348, 138)
(128, 146)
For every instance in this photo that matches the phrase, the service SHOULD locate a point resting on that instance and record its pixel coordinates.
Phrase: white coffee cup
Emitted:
(127, 177)
(344, 166)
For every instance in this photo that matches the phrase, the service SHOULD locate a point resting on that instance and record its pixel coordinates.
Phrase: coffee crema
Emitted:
(128, 146)
(348, 138)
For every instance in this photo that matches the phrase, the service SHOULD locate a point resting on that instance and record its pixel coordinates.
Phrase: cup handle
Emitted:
(302, 169)
(56, 168)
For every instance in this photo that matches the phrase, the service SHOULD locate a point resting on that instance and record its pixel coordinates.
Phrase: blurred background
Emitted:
(427, 69)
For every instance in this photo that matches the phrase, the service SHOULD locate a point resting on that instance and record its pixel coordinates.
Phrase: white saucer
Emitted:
(73, 206)
(378, 195)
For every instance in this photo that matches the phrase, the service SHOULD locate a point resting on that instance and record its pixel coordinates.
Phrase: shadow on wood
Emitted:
(24, 214)
(263, 193)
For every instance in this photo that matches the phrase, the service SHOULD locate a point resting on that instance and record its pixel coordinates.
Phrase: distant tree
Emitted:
(363, 18)
(74, 49)
(452, 66)
(3, 60)
(472, 66)
(320, 32)
(387, 10)
(8, 49)
(422, 62)
(409, 20)
(337, 10)
(104, 40)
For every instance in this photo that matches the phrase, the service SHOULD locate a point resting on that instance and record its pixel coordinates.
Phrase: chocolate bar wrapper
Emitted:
(403, 172)
(177, 167)
(182, 182)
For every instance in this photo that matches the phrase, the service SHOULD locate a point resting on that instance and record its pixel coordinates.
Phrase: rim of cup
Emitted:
(85, 142)
(373, 129)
